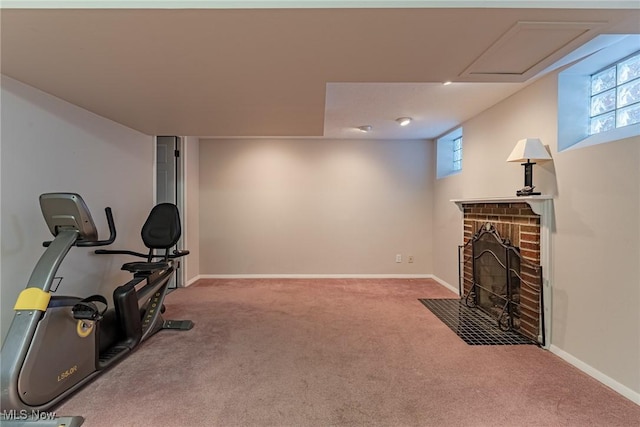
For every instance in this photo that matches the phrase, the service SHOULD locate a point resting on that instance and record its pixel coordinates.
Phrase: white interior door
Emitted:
(168, 184)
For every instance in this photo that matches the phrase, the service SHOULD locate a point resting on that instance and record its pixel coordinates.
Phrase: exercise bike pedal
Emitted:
(87, 310)
(182, 325)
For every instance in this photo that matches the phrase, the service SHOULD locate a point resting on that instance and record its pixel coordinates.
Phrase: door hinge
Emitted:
(176, 153)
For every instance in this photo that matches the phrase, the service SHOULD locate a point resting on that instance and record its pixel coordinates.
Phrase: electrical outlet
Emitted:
(410, 259)
(398, 257)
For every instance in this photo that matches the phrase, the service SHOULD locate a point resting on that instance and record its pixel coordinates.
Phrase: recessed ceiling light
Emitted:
(447, 83)
(365, 128)
(403, 121)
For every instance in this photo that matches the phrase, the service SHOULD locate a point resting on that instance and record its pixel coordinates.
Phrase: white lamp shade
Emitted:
(529, 149)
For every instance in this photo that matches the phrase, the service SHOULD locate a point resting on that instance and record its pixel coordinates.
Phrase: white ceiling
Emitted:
(297, 72)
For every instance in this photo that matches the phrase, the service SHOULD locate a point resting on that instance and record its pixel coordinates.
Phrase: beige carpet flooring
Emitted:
(335, 353)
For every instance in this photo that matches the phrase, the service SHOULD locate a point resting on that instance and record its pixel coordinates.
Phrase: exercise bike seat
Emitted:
(161, 230)
(144, 267)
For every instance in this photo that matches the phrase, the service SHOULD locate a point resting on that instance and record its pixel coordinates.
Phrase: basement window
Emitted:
(456, 147)
(615, 96)
(599, 96)
(449, 154)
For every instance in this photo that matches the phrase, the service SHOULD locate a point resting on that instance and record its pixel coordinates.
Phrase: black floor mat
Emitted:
(472, 325)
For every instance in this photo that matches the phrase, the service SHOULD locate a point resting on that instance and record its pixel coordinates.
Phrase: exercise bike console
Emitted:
(67, 211)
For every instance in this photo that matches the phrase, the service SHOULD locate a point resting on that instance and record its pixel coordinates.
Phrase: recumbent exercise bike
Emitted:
(56, 344)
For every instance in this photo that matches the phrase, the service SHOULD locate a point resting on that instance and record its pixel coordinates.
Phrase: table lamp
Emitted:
(526, 150)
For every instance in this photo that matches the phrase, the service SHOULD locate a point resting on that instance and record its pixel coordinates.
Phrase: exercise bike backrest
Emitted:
(68, 212)
(162, 229)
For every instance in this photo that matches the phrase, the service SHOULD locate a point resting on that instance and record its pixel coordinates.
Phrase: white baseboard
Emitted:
(453, 289)
(315, 276)
(632, 395)
(193, 280)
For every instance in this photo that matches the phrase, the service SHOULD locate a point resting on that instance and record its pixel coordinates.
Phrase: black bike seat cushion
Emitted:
(144, 267)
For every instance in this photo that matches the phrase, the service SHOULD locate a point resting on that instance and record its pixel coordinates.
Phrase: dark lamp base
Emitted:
(527, 192)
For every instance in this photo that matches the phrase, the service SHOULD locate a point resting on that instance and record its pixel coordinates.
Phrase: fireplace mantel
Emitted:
(539, 204)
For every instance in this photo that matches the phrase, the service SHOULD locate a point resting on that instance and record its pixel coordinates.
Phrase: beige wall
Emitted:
(596, 297)
(315, 206)
(488, 141)
(192, 208)
(49, 145)
(596, 241)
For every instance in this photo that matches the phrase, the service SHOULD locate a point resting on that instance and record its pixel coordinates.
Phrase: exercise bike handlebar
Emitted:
(112, 232)
(89, 243)
(176, 253)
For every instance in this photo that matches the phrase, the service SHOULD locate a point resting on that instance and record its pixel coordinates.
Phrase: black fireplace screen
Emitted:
(497, 280)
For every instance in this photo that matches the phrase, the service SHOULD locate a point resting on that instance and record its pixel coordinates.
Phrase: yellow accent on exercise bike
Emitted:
(33, 299)
(84, 328)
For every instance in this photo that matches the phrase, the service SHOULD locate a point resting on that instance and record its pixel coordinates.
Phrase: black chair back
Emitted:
(162, 228)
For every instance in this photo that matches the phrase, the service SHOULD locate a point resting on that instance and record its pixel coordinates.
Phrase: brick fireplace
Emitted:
(523, 223)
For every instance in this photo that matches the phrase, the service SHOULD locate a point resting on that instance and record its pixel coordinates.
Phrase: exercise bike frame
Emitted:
(31, 351)
(30, 309)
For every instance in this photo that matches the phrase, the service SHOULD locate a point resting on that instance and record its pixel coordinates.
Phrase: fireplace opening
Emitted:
(496, 279)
